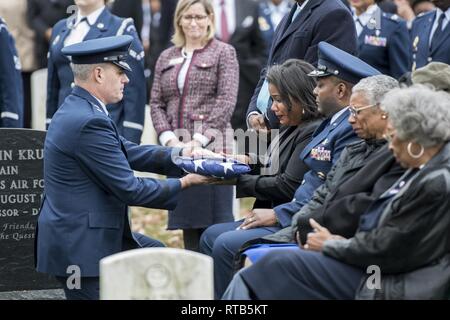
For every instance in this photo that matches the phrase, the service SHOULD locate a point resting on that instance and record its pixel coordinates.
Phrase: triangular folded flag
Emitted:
(214, 167)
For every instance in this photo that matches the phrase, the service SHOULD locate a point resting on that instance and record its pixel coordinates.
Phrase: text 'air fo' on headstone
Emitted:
(21, 189)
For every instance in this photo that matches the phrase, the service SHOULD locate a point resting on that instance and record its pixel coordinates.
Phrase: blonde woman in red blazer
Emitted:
(192, 99)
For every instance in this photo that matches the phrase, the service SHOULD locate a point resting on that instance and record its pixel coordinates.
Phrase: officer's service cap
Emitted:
(336, 62)
(109, 49)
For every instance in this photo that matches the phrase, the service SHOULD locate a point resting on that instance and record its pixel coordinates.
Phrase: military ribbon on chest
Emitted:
(375, 41)
(321, 154)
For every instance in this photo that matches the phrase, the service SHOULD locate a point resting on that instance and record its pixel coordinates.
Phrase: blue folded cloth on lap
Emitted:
(215, 167)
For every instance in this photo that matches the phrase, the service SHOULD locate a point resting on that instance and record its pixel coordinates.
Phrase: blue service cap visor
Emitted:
(117, 58)
(110, 49)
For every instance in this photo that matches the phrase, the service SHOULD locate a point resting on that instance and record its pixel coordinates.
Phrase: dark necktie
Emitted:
(84, 19)
(224, 23)
(437, 32)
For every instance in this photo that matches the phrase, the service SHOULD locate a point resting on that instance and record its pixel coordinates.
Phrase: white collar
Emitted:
(439, 12)
(92, 18)
(366, 15)
(101, 104)
(337, 115)
(303, 5)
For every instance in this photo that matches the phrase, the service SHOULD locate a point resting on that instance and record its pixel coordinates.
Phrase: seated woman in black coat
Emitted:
(280, 171)
(294, 103)
(405, 231)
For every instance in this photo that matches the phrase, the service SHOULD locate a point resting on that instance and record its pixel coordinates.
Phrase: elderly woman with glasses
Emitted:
(403, 235)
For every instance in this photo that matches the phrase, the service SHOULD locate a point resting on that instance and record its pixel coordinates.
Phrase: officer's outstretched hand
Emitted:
(193, 179)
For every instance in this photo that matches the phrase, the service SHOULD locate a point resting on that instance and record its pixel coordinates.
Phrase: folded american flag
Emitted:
(216, 167)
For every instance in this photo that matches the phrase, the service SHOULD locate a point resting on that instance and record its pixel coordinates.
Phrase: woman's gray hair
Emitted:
(374, 88)
(419, 114)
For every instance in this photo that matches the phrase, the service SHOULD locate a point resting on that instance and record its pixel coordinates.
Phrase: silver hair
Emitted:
(374, 88)
(81, 71)
(419, 114)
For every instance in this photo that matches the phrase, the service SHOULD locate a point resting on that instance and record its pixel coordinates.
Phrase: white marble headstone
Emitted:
(156, 274)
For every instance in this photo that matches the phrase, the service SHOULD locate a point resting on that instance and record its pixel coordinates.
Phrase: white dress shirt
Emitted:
(439, 12)
(81, 29)
(230, 11)
(337, 115)
(102, 105)
(364, 18)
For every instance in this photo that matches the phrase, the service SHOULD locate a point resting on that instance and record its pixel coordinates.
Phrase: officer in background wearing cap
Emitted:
(11, 89)
(430, 36)
(383, 39)
(88, 172)
(91, 21)
(337, 73)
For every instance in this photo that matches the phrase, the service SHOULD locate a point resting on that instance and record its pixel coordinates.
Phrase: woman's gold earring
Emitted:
(383, 116)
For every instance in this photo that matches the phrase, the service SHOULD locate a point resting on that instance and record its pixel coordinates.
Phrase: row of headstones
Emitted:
(161, 273)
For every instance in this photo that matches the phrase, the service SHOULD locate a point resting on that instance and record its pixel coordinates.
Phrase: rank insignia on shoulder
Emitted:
(415, 42)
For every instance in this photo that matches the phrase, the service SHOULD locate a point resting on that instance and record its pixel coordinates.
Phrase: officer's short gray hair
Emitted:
(82, 71)
(419, 114)
(374, 88)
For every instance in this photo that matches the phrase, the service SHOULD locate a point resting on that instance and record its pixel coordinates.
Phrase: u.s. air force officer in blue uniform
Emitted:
(430, 36)
(88, 172)
(383, 38)
(337, 72)
(93, 20)
(11, 89)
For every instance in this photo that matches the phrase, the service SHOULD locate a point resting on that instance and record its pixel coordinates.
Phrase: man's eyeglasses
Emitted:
(356, 111)
(197, 18)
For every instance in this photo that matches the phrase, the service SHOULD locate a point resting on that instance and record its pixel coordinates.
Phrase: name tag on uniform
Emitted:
(176, 61)
(321, 154)
(375, 41)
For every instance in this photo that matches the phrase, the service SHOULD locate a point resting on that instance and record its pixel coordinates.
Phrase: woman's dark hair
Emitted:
(293, 83)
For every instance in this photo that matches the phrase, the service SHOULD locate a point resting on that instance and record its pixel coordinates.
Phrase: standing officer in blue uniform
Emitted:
(337, 73)
(430, 36)
(88, 172)
(383, 38)
(93, 20)
(11, 89)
